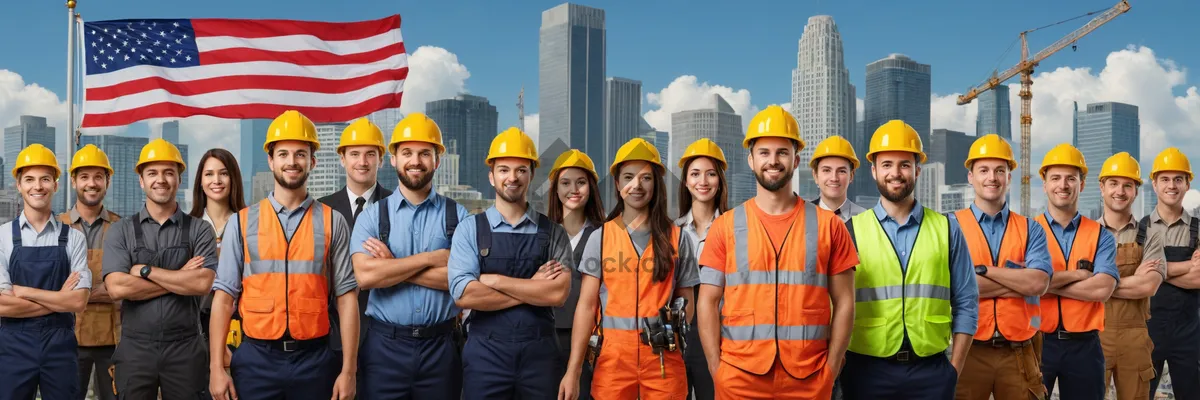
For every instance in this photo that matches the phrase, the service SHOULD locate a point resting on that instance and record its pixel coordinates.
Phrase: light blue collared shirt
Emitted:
(994, 226)
(415, 228)
(1106, 251)
(964, 291)
(76, 248)
(464, 250)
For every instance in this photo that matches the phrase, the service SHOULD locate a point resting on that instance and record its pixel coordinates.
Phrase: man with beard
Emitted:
(400, 251)
(160, 263)
(361, 151)
(1140, 261)
(777, 281)
(287, 257)
(833, 165)
(44, 278)
(911, 296)
(97, 328)
(507, 266)
(1082, 254)
(1175, 325)
(1012, 269)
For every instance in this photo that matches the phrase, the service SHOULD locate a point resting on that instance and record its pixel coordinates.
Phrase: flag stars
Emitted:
(178, 41)
(179, 52)
(188, 58)
(93, 44)
(105, 66)
(172, 60)
(156, 43)
(162, 33)
(185, 36)
(157, 58)
(144, 36)
(101, 51)
(143, 57)
(125, 43)
(108, 44)
(126, 57)
(176, 24)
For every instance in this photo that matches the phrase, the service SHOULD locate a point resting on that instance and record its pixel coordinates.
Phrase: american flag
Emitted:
(240, 69)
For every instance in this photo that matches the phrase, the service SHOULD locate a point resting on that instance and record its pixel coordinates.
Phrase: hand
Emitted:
(136, 270)
(228, 356)
(1150, 266)
(489, 280)
(195, 263)
(377, 248)
(1084, 274)
(71, 282)
(713, 365)
(220, 385)
(957, 368)
(20, 292)
(834, 364)
(549, 270)
(439, 258)
(343, 389)
(568, 388)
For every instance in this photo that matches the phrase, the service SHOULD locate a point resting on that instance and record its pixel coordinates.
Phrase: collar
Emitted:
(24, 223)
(495, 219)
(145, 215)
(839, 209)
(686, 220)
(308, 200)
(918, 213)
(75, 218)
(368, 195)
(1128, 225)
(1184, 218)
(433, 198)
(979, 214)
(1073, 224)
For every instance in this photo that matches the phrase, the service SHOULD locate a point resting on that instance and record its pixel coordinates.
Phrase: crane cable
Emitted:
(996, 67)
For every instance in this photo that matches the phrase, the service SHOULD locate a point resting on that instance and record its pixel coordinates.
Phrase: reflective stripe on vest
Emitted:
(890, 301)
(776, 304)
(1015, 319)
(1077, 315)
(284, 286)
(630, 293)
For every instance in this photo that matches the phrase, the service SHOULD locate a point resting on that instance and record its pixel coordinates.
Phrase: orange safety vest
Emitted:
(776, 305)
(621, 313)
(284, 284)
(1016, 319)
(1076, 315)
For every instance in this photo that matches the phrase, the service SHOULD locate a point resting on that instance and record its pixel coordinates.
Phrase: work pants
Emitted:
(179, 369)
(1127, 361)
(873, 378)
(1074, 361)
(733, 383)
(93, 364)
(262, 371)
(501, 363)
(397, 364)
(1001, 371)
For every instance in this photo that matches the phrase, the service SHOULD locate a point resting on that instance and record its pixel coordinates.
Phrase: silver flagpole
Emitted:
(70, 97)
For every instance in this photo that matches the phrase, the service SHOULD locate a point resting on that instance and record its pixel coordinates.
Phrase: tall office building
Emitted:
(623, 122)
(170, 133)
(29, 130)
(722, 125)
(994, 115)
(252, 159)
(928, 190)
(471, 122)
(1101, 130)
(328, 176)
(660, 139)
(447, 172)
(571, 72)
(949, 148)
(1148, 197)
(386, 120)
(823, 100)
(125, 195)
(897, 88)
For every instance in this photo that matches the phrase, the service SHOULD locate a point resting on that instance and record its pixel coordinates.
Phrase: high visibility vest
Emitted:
(284, 284)
(889, 301)
(631, 291)
(1016, 319)
(1075, 315)
(776, 305)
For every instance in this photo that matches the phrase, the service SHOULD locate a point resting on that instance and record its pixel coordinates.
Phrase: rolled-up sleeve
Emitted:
(1106, 256)
(77, 254)
(687, 271)
(232, 257)
(117, 257)
(712, 258)
(463, 265)
(560, 247)
(339, 256)
(366, 227)
(206, 244)
(1037, 255)
(964, 291)
(592, 262)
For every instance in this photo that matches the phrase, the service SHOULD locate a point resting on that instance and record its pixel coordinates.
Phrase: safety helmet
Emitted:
(834, 146)
(1121, 165)
(991, 146)
(159, 150)
(361, 132)
(291, 125)
(636, 149)
(36, 155)
(773, 121)
(1171, 159)
(90, 156)
(703, 148)
(417, 127)
(1065, 155)
(512, 143)
(574, 158)
(896, 135)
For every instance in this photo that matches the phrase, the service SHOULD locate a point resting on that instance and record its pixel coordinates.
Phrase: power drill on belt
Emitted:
(667, 332)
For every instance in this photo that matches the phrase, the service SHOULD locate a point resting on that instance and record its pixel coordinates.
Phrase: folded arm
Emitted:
(100, 295)
(1138, 286)
(16, 307)
(1098, 289)
(71, 301)
(1185, 274)
(1027, 282)
(478, 296)
(1064, 278)
(190, 282)
(433, 277)
(538, 292)
(122, 286)
(374, 273)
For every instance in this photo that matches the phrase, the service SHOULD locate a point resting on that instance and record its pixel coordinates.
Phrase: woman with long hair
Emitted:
(216, 196)
(702, 197)
(575, 204)
(632, 269)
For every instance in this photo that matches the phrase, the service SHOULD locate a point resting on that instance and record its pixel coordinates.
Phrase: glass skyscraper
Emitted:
(949, 148)
(823, 100)
(125, 195)
(1101, 130)
(252, 159)
(994, 114)
(470, 121)
(897, 88)
(623, 115)
(28, 131)
(571, 74)
(722, 125)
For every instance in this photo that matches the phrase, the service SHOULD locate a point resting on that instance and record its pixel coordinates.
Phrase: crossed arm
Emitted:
(190, 280)
(548, 288)
(1012, 282)
(1142, 284)
(1185, 274)
(27, 302)
(378, 268)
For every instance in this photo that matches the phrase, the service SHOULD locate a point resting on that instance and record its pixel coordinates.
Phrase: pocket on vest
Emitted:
(870, 322)
(258, 304)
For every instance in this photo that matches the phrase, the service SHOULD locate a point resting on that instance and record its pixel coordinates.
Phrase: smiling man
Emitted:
(833, 165)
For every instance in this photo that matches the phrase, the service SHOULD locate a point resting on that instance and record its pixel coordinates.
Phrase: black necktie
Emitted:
(358, 205)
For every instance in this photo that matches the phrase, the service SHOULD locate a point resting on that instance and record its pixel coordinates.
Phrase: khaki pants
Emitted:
(1002, 373)
(1127, 361)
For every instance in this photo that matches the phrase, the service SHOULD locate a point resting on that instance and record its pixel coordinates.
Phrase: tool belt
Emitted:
(663, 333)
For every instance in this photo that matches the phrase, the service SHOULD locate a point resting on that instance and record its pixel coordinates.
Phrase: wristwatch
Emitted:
(145, 272)
(981, 270)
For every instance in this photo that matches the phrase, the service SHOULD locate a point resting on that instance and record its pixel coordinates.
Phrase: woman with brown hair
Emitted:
(216, 196)
(575, 204)
(634, 266)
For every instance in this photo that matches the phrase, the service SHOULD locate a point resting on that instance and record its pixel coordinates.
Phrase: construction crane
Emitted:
(1025, 68)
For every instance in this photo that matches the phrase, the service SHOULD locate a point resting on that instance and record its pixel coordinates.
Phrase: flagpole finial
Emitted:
(71, 4)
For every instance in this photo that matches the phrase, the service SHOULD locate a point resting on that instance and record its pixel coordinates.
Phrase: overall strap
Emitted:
(385, 221)
(451, 208)
(186, 233)
(483, 234)
(138, 236)
(543, 238)
(63, 231)
(1143, 226)
(1194, 230)
(16, 233)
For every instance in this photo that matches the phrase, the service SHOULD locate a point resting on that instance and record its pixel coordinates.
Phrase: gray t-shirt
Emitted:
(687, 274)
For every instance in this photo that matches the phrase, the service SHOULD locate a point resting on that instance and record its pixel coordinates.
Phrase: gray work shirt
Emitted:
(169, 313)
(76, 252)
(1172, 234)
(687, 273)
(93, 231)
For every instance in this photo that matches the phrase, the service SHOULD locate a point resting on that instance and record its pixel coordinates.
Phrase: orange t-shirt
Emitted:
(835, 248)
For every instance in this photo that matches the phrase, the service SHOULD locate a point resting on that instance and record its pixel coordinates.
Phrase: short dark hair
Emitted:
(312, 148)
(795, 144)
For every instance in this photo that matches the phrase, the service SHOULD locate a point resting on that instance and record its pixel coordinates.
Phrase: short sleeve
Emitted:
(712, 263)
(463, 266)
(77, 254)
(592, 262)
(339, 256)
(117, 255)
(687, 273)
(842, 255)
(232, 255)
(366, 227)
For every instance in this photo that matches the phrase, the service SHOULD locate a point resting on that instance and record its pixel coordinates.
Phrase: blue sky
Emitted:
(743, 45)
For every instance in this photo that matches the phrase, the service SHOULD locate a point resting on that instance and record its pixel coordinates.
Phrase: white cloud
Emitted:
(532, 121)
(434, 74)
(202, 133)
(1191, 200)
(1133, 75)
(687, 93)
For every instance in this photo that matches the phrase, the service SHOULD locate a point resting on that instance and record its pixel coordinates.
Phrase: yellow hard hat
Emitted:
(636, 149)
(991, 146)
(159, 150)
(291, 125)
(1066, 155)
(774, 121)
(574, 159)
(362, 132)
(36, 155)
(417, 127)
(703, 148)
(896, 135)
(512, 143)
(90, 156)
(1171, 159)
(1121, 165)
(834, 146)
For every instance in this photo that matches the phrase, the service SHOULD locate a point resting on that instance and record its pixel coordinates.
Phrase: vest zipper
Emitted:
(287, 255)
(1066, 267)
(995, 262)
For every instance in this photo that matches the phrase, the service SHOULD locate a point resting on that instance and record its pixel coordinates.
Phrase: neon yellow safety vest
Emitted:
(890, 302)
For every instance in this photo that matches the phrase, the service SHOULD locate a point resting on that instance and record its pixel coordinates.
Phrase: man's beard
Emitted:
(288, 185)
(414, 185)
(773, 186)
(519, 197)
(905, 190)
(90, 203)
